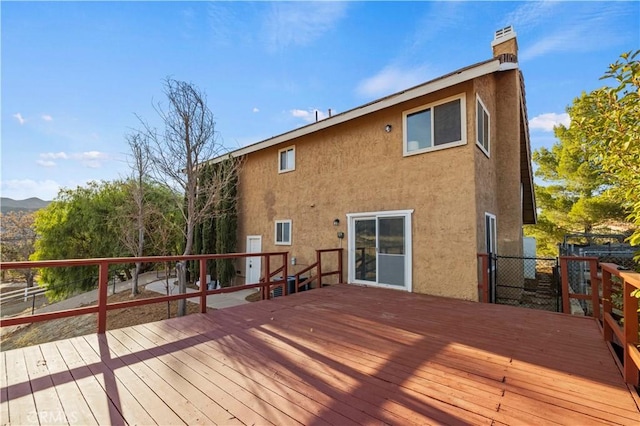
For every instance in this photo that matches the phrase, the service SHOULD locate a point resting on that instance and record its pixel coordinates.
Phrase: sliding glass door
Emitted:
(379, 248)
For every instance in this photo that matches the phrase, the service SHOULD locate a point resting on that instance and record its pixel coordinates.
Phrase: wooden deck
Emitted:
(341, 355)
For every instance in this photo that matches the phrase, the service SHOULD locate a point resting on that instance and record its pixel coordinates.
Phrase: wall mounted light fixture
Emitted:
(388, 128)
(336, 222)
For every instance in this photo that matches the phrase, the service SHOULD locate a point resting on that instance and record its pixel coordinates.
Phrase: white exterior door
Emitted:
(380, 249)
(253, 264)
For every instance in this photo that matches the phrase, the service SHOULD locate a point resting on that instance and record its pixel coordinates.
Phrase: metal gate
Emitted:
(529, 282)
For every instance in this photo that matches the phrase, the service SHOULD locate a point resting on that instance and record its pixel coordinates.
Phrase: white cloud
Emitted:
(54, 155)
(592, 30)
(308, 115)
(20, 189)
(46, 163)
(47, 117)
(90, 156)
(91, 159)
(20, 118)
(547, 121)
(255, 109)
(390, 80)
(530, 14)
(300, 23)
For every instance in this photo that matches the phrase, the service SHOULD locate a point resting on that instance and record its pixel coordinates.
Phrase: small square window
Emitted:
(434, 126)
(287, 159)
(483, 131)
(283, 232)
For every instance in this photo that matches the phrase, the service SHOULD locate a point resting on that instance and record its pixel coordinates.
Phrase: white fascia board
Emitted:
(461, 76)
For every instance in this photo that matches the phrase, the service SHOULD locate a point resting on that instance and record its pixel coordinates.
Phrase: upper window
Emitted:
(482, 126)
(287, 159)
(435, 126)
(283, 232)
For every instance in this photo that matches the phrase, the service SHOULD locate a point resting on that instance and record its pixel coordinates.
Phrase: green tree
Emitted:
(607, 122)
(227, 221)
(577, 196)
(78, 225)
(93, 222)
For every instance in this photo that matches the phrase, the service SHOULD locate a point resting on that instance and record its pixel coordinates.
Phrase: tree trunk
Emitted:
(134, 282)
(30, 278)
(181, 269)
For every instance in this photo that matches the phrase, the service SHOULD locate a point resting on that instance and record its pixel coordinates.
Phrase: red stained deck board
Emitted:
(172, 354)
(4, 397)
(48, 406)
(22, 406)
(75, 406)
(340, 355)
(102, 408)
(374, 395)
(325, 389)
(272, 398)
(121, 387)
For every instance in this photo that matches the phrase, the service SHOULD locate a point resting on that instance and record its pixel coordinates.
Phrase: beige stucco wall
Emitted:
(358, 167)
(498, 176)
(508, 160)
(486, 167)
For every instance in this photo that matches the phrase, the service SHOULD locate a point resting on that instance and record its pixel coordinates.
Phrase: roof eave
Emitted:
(456, 77)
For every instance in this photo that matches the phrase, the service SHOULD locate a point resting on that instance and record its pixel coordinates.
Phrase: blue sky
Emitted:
(75, 74)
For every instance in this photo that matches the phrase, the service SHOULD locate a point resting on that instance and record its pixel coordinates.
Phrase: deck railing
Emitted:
(601, 277)
(627, 335)
(601, 282)
(594, 280)
(103, 306)
(483, 277)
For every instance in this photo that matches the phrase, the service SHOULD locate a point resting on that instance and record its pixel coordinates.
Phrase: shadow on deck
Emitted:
(340, 355)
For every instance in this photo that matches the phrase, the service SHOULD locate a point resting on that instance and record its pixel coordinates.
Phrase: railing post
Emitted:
(267, 274)
(285, 289)
(595, 288)
(564, 274)
(318, 260)
(340, 254)
(484, 285)
(607, 306)
(103, 282)
(630, 310)
(203, 286)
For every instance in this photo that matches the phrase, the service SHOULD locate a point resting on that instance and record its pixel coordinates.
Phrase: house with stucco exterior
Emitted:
(412, 185)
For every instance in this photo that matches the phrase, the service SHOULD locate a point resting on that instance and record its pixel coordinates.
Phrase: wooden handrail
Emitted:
(319, 273)
(103, 263)
(483, 283)
(593, 278)
(628, 333)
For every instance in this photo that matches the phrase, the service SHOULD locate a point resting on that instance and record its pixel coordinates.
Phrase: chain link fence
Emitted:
(529, 282)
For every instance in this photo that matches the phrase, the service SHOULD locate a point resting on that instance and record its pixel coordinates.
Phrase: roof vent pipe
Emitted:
(316, 116)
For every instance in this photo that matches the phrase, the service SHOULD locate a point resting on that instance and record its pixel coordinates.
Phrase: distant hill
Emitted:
(30, 204)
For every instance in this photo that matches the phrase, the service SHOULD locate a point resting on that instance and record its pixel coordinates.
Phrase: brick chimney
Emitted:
(504, 42)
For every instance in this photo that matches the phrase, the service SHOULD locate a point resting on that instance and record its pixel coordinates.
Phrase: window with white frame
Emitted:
(287, 159)
(283, 232)
(435, 126)
(491, 233)
(483, 121)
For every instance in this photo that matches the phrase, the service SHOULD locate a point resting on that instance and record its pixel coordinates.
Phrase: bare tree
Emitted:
(187, 140)
(18, 240)
(134, 241)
